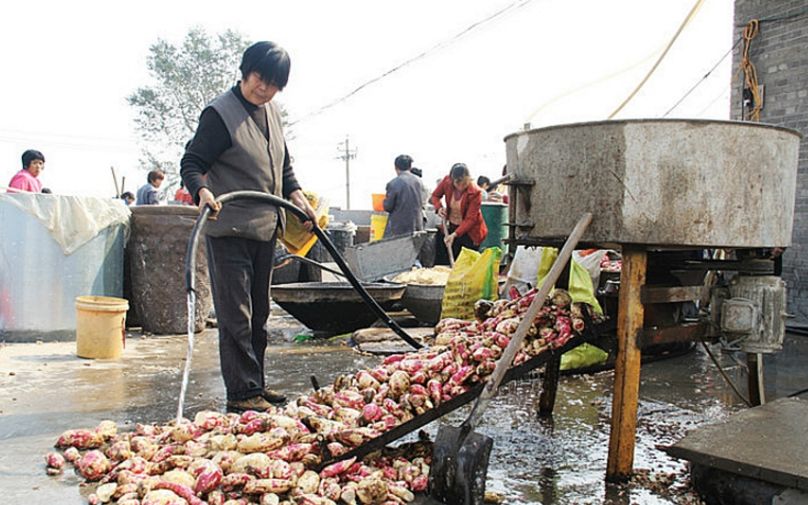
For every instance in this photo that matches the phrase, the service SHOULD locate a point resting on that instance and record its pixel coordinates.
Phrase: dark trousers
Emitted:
(442, 254)
(241, 272)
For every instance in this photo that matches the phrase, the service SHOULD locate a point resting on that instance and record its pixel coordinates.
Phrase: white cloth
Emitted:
(72, 221)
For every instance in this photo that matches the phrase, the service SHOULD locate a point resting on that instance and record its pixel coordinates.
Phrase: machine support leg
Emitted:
(627, 366)
(757, 394)
(549, 387)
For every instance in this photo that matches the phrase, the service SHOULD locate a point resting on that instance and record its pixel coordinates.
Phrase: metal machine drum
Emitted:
(656, 182)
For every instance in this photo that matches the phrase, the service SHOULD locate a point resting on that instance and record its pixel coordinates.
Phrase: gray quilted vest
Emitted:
(251, 163)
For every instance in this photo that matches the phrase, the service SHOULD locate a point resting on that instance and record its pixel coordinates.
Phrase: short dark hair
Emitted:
(31, 155)
(403, 162)
(459, 171)
(269, 60)
(483, 180)
(127, 195)
(155, 175)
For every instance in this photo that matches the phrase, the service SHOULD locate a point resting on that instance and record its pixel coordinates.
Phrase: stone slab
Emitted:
(370, 335)
(769, 443)
(383, 341)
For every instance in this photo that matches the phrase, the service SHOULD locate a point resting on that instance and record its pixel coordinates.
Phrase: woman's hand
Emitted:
(299, 199)
(449, 239)
(206, 199)
(442, 212)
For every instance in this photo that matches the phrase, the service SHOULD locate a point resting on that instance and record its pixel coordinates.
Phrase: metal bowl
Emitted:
(424, 301)
(334, 307)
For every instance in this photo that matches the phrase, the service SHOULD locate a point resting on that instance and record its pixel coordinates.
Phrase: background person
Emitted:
(239, 145)
(484, 183)
(462, 211)
(26, 180)
(182, 196)
(403, 200)
(149, 193)
(425, 193)
(128, 198)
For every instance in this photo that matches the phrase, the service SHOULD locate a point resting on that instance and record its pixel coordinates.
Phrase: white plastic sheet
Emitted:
(72, 221)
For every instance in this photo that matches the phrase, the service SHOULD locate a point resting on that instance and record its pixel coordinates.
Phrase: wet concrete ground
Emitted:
(45, 389)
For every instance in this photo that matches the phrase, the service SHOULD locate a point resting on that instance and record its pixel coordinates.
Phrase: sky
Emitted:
(69, 66)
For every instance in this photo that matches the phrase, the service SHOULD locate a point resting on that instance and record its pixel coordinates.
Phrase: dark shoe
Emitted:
(273, 396)
(256, 403)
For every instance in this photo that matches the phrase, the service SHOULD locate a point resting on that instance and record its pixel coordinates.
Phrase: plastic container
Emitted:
(342, 237)
(100, 326)
(378, 222)
(429, 249)
(378, 201)
(495, 215)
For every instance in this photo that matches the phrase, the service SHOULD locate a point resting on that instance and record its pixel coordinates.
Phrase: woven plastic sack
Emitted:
(474, 277)
(580, 283)
(583, 356)
(581, 290)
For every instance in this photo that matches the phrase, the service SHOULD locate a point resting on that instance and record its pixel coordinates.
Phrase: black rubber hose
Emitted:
(193, 246)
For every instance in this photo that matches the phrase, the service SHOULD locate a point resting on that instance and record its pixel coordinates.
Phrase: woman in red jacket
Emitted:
(462, 211)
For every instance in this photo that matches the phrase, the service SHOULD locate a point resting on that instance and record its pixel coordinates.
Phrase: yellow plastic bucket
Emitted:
(100, 326)
(378, 222)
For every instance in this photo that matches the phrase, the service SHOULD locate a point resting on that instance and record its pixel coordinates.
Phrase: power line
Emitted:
(512, 6)
(599, 80)
(75, 145)
(43, 134)
(721, 95)
(71, 141)
(687, 20)
(703, 78)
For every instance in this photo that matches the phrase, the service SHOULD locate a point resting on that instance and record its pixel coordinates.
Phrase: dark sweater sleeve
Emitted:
(290, 183)
(209, 142)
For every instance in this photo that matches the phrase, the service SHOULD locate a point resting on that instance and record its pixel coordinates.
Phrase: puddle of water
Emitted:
(534, 461)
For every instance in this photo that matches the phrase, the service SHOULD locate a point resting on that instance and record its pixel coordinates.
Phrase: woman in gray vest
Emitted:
(239, 145)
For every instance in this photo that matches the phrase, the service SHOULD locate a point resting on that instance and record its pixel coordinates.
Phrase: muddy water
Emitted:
(45, 389)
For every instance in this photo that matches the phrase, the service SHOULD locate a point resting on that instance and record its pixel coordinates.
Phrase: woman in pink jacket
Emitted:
(25, 181)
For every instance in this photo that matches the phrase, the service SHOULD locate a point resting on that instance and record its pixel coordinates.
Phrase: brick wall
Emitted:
(780, 55)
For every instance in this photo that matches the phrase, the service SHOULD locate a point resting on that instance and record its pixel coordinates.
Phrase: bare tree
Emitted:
(185, 78)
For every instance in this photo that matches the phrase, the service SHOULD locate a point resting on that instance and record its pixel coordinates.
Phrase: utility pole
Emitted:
(347, 155)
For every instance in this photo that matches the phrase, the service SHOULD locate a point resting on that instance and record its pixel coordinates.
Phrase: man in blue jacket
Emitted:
(403, 200)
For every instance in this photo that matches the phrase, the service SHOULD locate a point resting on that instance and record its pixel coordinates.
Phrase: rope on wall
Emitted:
(752, 98)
